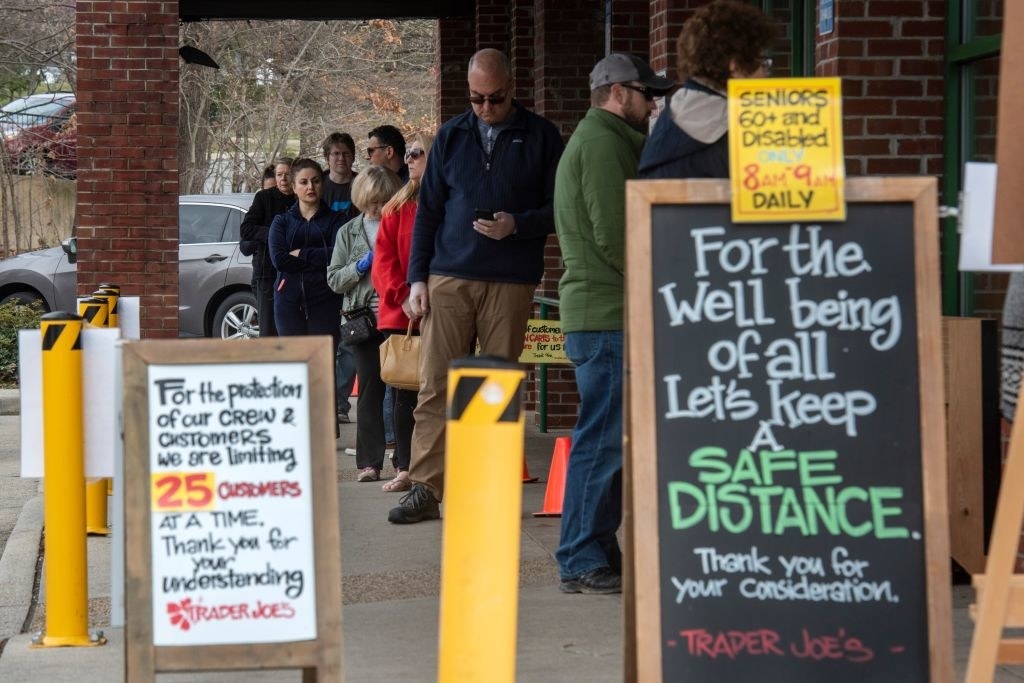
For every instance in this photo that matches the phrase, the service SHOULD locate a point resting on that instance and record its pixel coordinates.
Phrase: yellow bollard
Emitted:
(482, 511)
(67, 613)
(96, 506)
(111, 297)
(94, 311)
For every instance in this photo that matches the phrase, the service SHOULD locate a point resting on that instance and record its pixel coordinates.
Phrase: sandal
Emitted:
(401, 482)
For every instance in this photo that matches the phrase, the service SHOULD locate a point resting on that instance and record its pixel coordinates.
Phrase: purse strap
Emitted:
(408, 333)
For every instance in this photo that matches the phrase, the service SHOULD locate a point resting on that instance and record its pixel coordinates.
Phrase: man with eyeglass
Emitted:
(485, 211)
(590, 219)
(339, 152)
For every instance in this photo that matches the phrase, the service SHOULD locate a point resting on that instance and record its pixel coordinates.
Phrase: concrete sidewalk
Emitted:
(390, 596)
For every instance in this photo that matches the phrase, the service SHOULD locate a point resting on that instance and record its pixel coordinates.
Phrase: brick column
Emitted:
(456, 43)
(493, 18)
(631, 27)
(667, 18)
(127, 204)
(521, 51)
(890, 58)
(568, 40)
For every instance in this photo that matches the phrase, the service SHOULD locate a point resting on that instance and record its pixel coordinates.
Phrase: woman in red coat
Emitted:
(390, 267)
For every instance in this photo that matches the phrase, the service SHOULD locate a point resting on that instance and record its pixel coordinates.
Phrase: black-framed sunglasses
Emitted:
(493, 98)
(371, 150)
(642, 89)
(414, 154)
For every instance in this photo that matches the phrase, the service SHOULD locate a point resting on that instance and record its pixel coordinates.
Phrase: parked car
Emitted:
(39, 133)
(215, 296)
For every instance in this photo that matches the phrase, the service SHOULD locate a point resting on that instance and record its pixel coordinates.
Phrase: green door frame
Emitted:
(801, 32)
(958, 147)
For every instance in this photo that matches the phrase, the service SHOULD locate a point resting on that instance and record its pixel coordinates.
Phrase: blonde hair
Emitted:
(410, 192)
(374, 184)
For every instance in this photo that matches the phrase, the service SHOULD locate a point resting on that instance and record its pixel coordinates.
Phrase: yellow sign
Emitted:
(786, 149)
(544, 342)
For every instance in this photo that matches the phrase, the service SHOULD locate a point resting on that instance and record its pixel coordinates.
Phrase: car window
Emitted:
(233, 231)
(34, 114)
(201, 223)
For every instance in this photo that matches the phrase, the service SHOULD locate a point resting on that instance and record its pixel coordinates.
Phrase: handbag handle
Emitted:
(407, 342)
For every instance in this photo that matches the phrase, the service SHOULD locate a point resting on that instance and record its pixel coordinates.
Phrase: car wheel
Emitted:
(26, 299)
(236, 317)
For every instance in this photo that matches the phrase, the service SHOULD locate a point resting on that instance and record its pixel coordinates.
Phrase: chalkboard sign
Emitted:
(787, 439)
(231, 503)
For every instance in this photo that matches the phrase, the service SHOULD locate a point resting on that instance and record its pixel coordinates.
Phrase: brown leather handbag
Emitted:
(400, 361)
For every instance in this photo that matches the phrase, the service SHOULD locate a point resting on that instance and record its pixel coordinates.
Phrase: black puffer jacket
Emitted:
(256, 227)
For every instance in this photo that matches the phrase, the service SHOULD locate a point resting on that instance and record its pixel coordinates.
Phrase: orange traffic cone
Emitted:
(527, 479)
(556, 479)
(355, 388)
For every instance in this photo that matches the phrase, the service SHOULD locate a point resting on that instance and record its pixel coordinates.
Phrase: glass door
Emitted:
(973, 40)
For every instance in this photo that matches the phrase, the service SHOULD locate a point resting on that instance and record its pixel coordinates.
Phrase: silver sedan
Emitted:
(214, 279)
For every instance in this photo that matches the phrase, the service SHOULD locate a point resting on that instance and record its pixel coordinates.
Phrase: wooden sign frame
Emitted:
(642, 416)
(1007, 242)
(319, 659)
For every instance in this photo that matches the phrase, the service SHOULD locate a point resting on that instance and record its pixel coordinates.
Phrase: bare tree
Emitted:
(37, 51)
(283, 86)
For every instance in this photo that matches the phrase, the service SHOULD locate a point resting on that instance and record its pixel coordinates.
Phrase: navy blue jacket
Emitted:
(304, 276)
(671, 153)
(518, 178)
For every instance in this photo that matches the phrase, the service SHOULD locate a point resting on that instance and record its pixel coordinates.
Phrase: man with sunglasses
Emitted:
(485, 211)
(590, 219)
(387, 148)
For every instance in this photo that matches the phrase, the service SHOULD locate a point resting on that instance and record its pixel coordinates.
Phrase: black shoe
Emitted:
(600, 581)
(343, 418)
(417, 505)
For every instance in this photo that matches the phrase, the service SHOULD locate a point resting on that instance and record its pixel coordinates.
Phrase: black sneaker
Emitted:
(343, 417)
(417, 505)
(600, 581)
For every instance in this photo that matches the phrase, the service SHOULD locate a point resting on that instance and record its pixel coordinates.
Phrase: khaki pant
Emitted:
(495, 314)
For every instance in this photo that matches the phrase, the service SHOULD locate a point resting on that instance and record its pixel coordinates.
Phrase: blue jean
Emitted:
(389, 415)
(592, 504)
(345, 378)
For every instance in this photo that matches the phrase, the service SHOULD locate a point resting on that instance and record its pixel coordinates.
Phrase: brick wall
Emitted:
(127, 204)
(568, 40)
(631, 27)
(666, 20)
(521, 51)
(456, 43)
(889, 54)
(492, 21)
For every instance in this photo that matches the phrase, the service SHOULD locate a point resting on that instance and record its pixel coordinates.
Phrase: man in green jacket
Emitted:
(590, 219)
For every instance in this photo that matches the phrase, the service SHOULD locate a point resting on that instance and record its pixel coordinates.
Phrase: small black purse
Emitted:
(360, 324)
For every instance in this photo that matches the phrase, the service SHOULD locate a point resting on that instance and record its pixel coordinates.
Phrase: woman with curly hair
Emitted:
(725, 39)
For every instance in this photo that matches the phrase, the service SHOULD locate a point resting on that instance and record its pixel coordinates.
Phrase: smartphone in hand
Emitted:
(484, 215)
